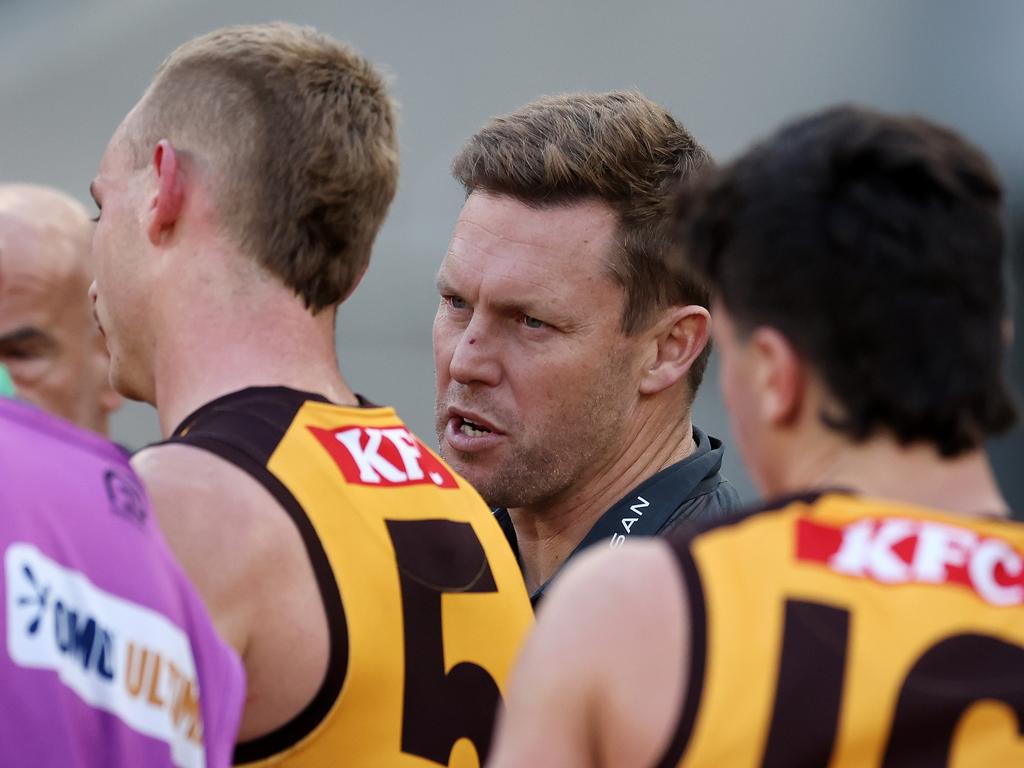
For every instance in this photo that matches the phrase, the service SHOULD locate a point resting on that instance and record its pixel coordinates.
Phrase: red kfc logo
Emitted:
(383, 457)
(894, 550)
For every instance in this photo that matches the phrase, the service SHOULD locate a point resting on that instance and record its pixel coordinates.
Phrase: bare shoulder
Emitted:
(637, 563)
(616, 592)
(196, 490)
(631, 604)
(224, 528)
(606, 661)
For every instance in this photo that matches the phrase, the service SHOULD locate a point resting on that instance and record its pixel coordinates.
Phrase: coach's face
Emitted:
(535, 378)
(123, 273)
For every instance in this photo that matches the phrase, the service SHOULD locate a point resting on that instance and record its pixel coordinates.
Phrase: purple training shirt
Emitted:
(110, 658)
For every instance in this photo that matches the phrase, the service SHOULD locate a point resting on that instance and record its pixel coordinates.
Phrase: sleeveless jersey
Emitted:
(426, 605)
(109, 658)
(847, 631)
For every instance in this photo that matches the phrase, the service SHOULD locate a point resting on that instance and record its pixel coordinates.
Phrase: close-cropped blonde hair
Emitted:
(298, 131)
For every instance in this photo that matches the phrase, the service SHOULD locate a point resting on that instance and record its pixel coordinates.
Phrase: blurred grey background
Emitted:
(731, 70)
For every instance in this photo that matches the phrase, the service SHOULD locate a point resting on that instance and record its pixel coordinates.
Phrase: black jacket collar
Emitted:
(663, 501)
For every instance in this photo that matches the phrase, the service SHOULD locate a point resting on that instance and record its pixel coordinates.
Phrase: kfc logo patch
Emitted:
(383, 457)
(894, 550)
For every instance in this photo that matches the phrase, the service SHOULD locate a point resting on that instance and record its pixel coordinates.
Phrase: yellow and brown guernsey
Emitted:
(847, 631)
(426, 605)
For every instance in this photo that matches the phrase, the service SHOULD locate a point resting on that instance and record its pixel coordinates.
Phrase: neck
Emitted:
(101, 426)
(547, 532)
(915, 474)
(263, 340)
(95, 421)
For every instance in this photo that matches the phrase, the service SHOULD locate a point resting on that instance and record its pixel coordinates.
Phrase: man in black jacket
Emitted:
(568, 352)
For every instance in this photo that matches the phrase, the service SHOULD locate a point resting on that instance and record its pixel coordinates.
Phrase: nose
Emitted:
(476, 357)
(93, 292)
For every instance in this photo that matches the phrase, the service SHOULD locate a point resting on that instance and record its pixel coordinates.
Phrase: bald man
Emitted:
(48, 340)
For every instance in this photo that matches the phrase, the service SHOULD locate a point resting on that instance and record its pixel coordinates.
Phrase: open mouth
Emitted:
(471, 428)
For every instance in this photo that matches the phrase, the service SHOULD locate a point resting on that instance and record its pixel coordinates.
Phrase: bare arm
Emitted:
(600, 682)
(248, 562)
(199, 502)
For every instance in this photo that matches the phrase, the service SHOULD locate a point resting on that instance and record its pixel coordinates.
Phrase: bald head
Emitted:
(48, 339)
(45, 232)
(51, 215)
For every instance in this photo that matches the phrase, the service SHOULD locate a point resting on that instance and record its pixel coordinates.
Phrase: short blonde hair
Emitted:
(300, 133)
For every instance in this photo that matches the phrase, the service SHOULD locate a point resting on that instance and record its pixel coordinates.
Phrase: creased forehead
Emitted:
(574, 224)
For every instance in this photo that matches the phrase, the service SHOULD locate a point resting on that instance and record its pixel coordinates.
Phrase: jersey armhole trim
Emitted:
(312, 715)
(698, 659)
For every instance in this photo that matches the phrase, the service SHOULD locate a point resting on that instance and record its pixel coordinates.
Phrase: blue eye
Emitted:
(456, 302)
(533, 322)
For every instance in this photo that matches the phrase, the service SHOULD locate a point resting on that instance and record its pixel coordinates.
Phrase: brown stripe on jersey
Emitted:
(245, 428)
(255, 418)
(694, 684)
(679, 540)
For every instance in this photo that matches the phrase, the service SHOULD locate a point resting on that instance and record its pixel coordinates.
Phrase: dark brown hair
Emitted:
(299, 131)
(875, 244)
(618, 147)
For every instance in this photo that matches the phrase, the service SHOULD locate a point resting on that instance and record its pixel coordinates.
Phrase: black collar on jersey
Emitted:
(249, 393)
(647, 509)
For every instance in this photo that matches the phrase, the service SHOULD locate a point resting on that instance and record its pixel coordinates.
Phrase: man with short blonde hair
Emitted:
(240, 200)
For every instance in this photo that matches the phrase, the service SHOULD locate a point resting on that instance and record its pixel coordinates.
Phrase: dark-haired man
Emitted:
(567, 353)
(367, 587)
(875, 618)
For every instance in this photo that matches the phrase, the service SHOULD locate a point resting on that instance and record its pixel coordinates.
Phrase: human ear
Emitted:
(167, 203)
(680, 337)
(780, 379)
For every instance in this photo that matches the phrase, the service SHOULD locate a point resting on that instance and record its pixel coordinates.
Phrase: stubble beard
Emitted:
(539, 468)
